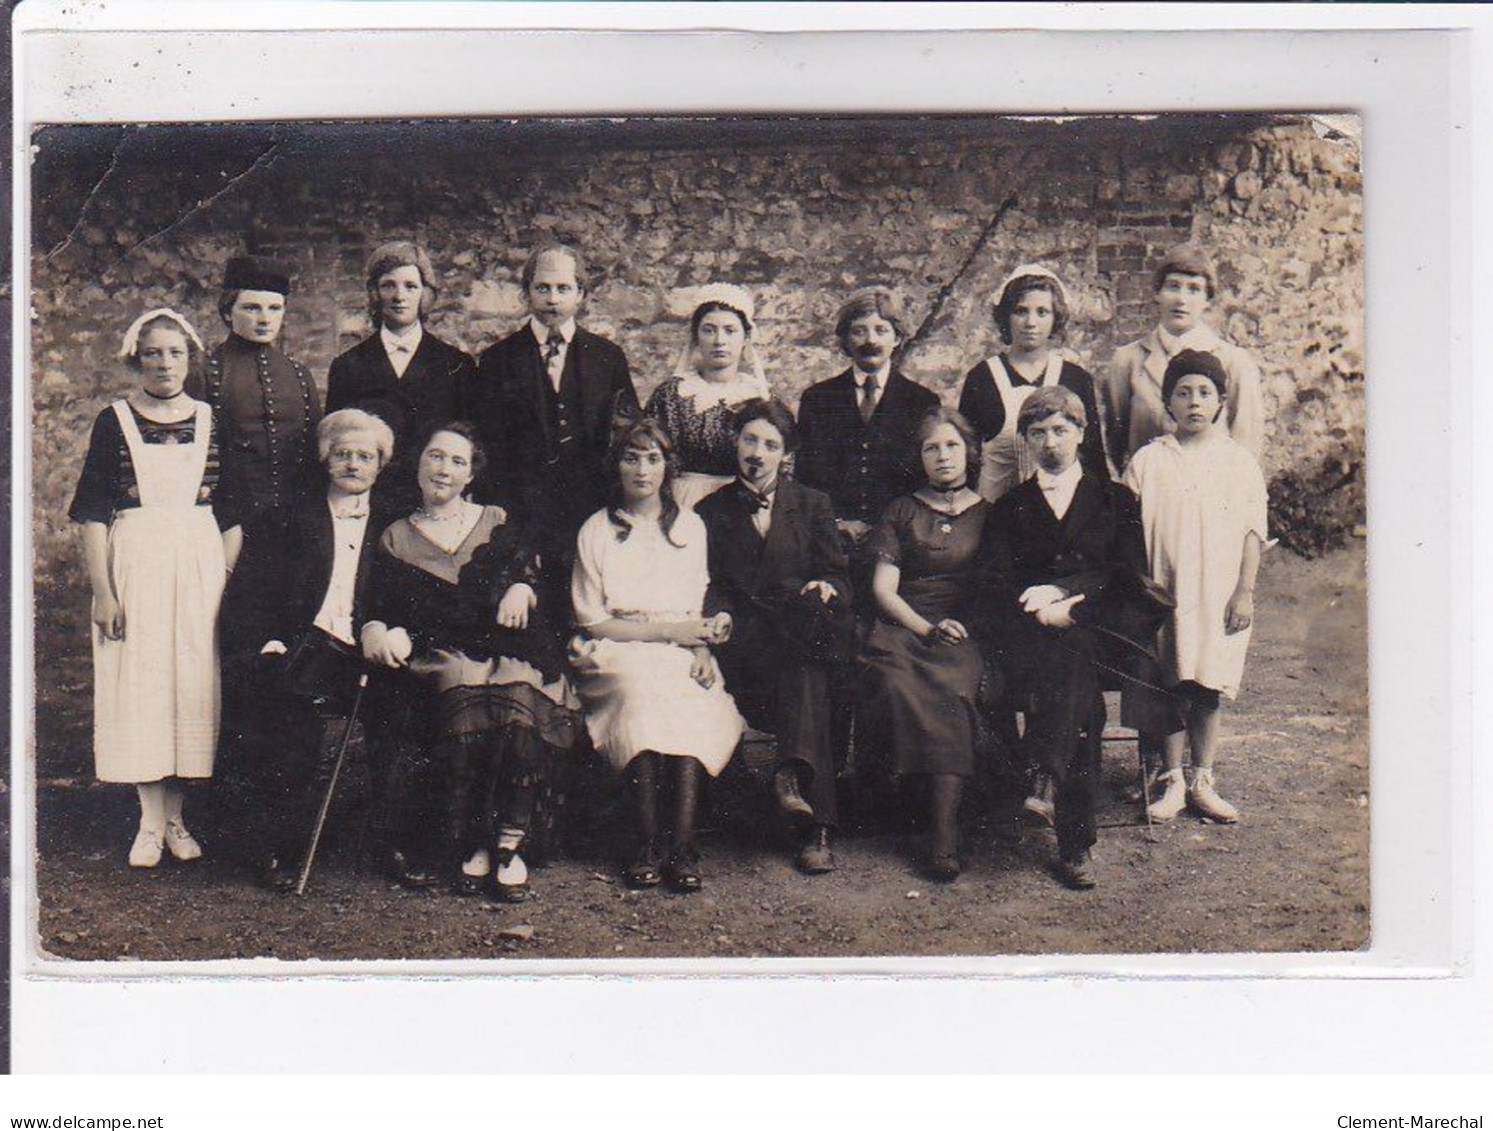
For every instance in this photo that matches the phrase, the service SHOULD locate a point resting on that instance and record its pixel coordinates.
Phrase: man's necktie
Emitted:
(868, 399)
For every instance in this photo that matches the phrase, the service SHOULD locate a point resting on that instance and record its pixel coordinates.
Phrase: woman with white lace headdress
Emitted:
(717, 372)
(159, 540)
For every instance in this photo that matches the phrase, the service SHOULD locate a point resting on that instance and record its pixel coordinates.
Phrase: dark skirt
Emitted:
(921, 700)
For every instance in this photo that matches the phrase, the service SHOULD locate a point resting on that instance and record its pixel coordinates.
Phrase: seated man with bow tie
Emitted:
(778, 568)
(1065, 585)
(305, 600)
(543, 401)
(402, 373)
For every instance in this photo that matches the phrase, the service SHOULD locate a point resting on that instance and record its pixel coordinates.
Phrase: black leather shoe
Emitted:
(1077, 872)
(944, 867)
(275, 875)
(682, 873)
(643, 872)
(786, 793)
(816, 857)
(508, 893)
(467, 886)
(398, 867)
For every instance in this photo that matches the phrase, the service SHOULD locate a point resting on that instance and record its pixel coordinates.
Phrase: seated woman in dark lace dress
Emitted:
(454, 609)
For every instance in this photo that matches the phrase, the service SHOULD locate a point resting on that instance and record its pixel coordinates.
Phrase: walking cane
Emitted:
(326, 802)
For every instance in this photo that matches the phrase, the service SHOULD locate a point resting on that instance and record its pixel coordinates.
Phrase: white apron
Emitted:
(156, 692)
(1005, 461)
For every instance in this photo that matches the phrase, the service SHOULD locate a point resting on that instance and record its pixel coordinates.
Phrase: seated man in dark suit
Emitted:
(778, 568)
(544, 400)
(402, 373)
(1065, 564)
(305, 600)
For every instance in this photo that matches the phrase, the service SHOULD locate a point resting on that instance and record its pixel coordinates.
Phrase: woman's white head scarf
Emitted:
(131, 345)
(751, 378)
(999, 295)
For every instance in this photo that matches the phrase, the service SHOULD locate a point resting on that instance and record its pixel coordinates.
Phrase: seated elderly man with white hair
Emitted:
(303, 602)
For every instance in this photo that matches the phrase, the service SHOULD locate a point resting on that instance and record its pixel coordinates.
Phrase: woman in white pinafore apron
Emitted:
(1031, 311)
(158, 546)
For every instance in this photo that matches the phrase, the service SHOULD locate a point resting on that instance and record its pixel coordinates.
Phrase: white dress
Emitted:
(640, 696)
(1198, 502)
(156, 693)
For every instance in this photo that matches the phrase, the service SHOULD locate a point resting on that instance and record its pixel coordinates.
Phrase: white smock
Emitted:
(1005, 460)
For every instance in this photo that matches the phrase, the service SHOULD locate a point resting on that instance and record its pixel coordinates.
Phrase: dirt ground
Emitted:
(1293, 875)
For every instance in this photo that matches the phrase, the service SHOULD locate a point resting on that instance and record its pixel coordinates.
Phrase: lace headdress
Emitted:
(131, 345)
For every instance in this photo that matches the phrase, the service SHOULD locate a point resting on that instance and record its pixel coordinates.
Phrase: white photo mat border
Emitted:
(1403, 83)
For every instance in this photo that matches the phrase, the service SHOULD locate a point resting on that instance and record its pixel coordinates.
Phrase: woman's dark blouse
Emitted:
(936, 554)
(108, 485)
(704, 441)
(450, 601)
(981, 404)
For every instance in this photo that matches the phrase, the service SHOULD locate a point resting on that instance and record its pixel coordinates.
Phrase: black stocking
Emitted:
(687, 803)
(943, 793)
(645, 794)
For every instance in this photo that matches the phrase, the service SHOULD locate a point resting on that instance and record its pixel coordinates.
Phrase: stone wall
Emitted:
(801, 212)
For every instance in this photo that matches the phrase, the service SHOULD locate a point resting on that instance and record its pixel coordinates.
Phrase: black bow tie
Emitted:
(754, 500)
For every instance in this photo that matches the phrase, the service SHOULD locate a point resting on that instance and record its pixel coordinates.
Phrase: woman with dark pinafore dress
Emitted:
(923, 668)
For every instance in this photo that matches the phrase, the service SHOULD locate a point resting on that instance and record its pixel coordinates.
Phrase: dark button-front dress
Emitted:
(921, 694)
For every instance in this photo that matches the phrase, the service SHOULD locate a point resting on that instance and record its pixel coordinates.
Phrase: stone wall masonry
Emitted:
(800, 212)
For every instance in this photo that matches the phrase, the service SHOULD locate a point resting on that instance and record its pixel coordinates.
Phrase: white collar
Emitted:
(764, 494)
(705, 394)
(881, 375)
(410, 339)
(1200, 337)
(1063, 481)
(354, 507)
(541, 331)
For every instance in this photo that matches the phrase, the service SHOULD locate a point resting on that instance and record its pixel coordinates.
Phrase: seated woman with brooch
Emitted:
(454, 608)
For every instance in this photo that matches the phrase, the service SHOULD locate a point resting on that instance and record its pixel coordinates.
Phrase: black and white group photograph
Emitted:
(739, 536)
(675, 538)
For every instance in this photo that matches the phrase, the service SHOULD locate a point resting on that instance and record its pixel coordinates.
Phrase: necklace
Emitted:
(423, 515)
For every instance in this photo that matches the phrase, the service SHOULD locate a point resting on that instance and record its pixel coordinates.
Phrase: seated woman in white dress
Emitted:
(652, 692)
(717, 373)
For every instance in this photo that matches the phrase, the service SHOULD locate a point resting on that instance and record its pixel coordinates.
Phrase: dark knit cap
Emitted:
(256, 273)
(1190, 362)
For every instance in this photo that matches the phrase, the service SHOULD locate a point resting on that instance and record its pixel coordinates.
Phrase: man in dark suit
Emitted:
(544, 400)
(1065, 563)
(778, 568)
(305, 600)
(857, 431)
(402, 373)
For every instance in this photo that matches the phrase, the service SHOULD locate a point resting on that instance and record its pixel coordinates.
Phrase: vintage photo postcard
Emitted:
(261, 304)
(716, 530)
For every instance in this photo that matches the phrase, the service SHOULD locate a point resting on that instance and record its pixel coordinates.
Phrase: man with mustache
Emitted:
(304, 599)
(778, 568)
(856, 430)
(543, 401)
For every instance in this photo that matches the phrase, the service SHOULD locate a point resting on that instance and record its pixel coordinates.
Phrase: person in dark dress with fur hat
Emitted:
(268, 404)
(778, 568)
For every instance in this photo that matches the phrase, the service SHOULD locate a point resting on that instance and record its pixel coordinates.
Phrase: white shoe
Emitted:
(182, 844)
(1039, 807)
(1206, 802)
(146, 851)
(1173, 800)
